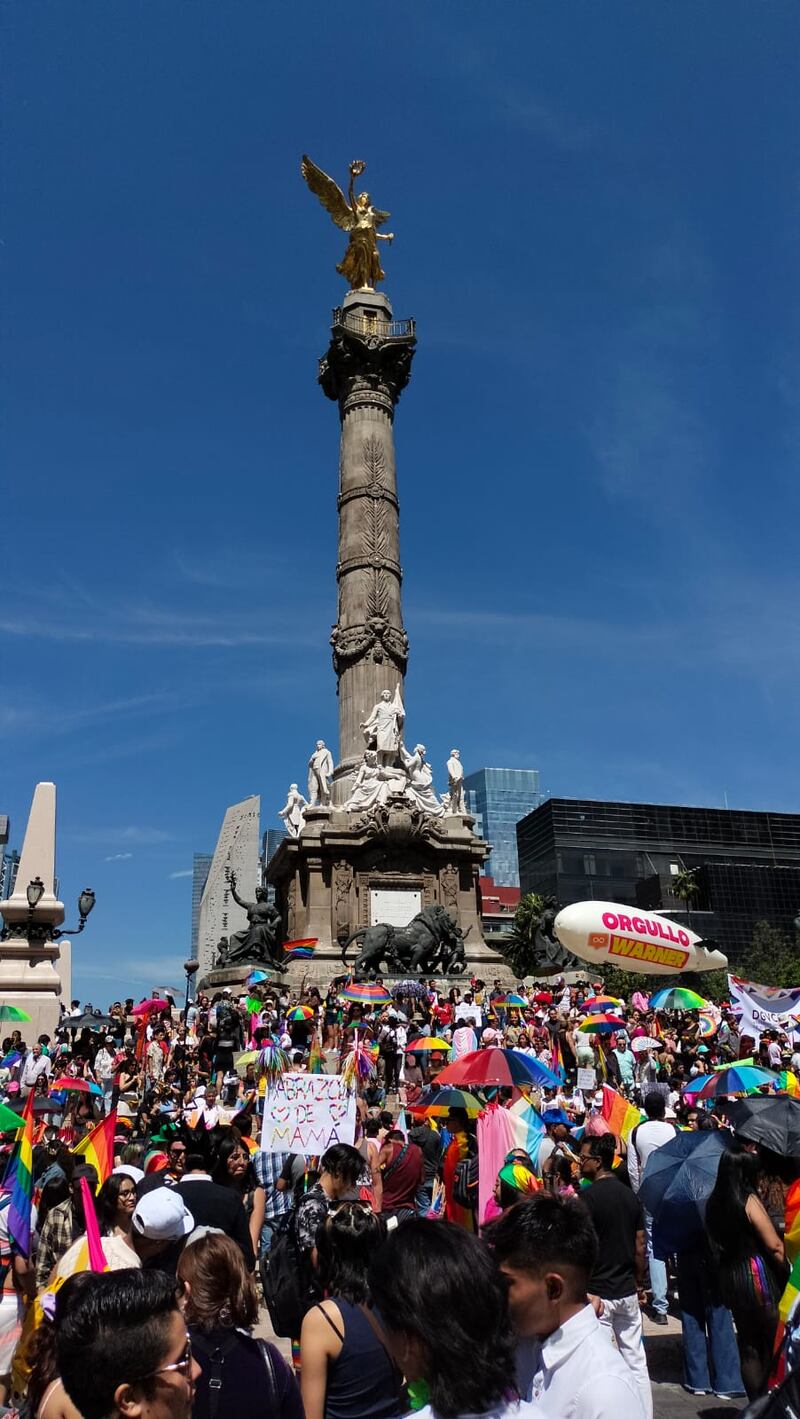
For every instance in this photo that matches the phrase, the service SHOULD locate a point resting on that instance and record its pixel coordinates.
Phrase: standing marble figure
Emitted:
(455, 778)
(293, 811)
(320, 772)
(384, 726)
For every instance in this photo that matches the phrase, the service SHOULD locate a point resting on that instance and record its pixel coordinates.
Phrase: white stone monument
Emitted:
(29, 976)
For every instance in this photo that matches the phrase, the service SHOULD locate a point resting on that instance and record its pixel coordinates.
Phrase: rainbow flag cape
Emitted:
(97, 1147)
(316, 1060)
(620, 1115)
(557, 1058)
(19, 1208)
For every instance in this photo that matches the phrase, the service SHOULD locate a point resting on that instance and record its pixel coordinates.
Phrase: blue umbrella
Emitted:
(678, 1180)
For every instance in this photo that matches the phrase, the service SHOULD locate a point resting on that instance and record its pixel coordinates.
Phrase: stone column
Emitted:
(367, 366)
(29, 958)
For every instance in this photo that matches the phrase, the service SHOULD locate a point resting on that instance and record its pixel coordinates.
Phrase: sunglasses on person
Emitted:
(182, 1366)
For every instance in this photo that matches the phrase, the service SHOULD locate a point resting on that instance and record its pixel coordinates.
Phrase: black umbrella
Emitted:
(678, 1180)
(89, 1020)
(771, 1119)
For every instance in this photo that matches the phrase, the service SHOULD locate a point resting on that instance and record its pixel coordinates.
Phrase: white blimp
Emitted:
(607, 933)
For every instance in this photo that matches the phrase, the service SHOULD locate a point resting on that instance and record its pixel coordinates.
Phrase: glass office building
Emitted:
(748, 863)
(498, 798)
(201, 863)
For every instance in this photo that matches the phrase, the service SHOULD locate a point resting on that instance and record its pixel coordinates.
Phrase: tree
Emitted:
(520, 949)
(686, 887)
(771, 958)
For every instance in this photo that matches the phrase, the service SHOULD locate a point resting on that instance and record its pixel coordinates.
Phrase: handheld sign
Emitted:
(307, 1113)
(608, 933)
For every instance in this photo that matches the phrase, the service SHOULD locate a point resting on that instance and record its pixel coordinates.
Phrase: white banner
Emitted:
(307, 1113)
(764, 1007)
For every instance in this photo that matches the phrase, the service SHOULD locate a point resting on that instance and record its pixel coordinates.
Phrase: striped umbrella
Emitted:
(735, 1079)
(366, 993)
(300, 1012)
(501, 1067)
(426, 1042)
(512, 1001)
(677, 997)
(598, 1003)
(436, 1102)
(601, 1025)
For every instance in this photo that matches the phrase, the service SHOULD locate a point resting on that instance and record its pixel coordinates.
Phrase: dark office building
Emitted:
(748, 864)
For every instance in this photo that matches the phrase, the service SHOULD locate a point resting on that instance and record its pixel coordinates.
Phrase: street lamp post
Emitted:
(40, 932)
(191, 968)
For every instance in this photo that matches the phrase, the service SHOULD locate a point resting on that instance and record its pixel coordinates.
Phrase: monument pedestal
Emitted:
(28, 953)
(235, 977)
(349, 870)
(29, 979)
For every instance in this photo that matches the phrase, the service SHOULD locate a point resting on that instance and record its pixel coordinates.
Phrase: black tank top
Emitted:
(362, 1382)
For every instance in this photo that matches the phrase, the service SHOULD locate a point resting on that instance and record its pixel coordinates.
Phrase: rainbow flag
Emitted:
(97, 1147)
(557, 1058)
(316, 1059)
(620, 1115)
(96, 1257)
(19, 1208)
(791, 1235)
(300, 950)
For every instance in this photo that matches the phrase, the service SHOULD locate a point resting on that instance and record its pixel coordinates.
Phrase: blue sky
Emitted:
(596, 210)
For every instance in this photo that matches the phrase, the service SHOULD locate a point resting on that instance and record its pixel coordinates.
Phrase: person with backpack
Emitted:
(287, 1272)
(401, 1166)
(238, 1374)
(460, 1171)
(230, 1036)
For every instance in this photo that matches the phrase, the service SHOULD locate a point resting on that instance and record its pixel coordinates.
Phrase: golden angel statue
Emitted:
(354, 214)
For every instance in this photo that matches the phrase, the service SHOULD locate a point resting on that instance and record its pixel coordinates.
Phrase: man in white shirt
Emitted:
(644, 1140)
(567, 1367)
(36, 1064)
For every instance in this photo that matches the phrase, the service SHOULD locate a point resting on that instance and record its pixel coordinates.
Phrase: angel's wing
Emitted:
(380, 218)
(329, 194)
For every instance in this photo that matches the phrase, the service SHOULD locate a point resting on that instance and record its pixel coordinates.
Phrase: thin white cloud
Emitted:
(186, 872)
(119, 857)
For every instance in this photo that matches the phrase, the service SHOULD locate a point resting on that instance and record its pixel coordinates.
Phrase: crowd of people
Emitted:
(399, 1282)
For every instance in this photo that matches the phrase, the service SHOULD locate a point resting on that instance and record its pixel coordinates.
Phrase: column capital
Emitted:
(369, 358)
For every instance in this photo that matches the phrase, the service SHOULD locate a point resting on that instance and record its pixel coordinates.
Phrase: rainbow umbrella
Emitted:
(734, 1079)
(707, 1023)
(366, 993)
(300, 1012)
(598, 1003)
(788, 1083)
(426, 1042)
(74, 1086)
(512, 1001)
(601, 1025)
(677, 997)
(502, 1068)
(436, 1102)
(13, 1013)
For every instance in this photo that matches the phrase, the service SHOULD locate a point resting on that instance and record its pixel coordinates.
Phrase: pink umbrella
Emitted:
(147, 1007)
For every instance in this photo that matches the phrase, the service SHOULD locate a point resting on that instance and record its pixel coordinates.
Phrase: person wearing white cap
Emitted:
(160, 1220)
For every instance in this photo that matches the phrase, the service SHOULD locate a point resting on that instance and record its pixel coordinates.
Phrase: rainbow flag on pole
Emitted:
(19, 1208)
(300, 950)
(97, 1147)
(620, 1115)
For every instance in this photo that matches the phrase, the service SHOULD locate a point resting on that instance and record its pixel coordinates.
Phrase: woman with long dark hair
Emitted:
(346, 1371)
(750, 1261)
(232, 1168)
(444, 1310)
